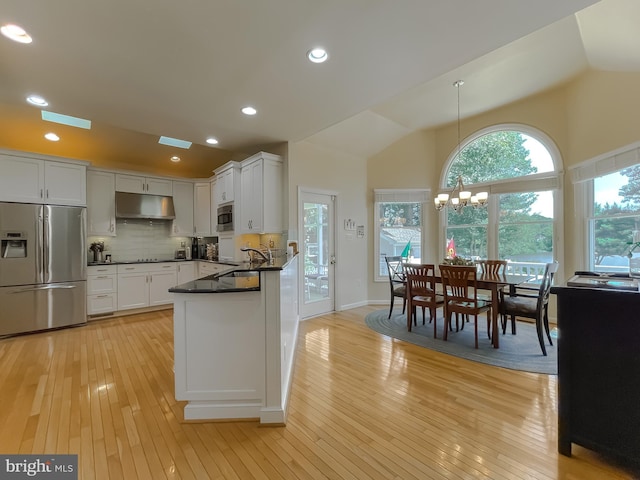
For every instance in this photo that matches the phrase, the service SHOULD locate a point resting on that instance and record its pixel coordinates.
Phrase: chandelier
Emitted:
(460, 197)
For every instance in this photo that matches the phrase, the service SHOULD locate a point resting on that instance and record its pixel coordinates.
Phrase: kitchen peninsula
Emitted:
(234, 341)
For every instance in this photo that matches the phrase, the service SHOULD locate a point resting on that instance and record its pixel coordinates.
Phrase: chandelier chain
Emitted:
(459, 196)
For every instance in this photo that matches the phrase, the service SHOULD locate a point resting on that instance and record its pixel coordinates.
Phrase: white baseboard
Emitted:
(349, 306)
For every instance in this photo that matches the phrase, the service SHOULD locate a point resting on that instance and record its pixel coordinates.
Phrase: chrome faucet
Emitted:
(266, 258)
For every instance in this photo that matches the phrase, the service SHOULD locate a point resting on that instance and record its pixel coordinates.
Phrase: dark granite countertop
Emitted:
(245, 277)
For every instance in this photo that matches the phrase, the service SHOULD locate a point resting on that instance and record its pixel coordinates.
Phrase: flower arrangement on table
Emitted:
(457, 260)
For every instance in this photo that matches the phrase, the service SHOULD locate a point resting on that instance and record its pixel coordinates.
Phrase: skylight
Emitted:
(66, 120)
(174, 142)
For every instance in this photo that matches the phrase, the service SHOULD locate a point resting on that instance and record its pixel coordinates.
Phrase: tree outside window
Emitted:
(524, 219)
(615, 218)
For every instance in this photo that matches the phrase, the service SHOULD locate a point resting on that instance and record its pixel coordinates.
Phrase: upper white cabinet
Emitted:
(202, 209)
(261, 194)
(65, 183)
(138, 184)
(183, 199)
(101, 203)
(32, 180)
(214, 207)
(227, 182)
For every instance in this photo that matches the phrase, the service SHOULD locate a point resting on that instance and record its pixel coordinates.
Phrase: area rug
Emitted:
(516, 352)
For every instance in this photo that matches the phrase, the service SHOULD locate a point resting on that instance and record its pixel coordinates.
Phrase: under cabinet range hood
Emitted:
(136, 205)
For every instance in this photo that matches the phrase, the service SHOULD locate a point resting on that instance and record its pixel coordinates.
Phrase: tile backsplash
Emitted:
(140, 239)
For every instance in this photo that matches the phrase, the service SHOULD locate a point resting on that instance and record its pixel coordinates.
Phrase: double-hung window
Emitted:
(609, 192)
(398, 225)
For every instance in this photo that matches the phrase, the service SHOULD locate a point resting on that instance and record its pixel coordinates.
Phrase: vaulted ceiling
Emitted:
(143, 69)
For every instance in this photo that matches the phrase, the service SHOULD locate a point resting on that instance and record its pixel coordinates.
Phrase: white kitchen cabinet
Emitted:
(134, 286)
(261, 194)
(211, 268)
(214, 206)
(145, 285)
(183, 201)
(227, 182)
(226, 247)
(202, 209)
(65, 183)
(102, 289)
(159, 284)
(101, 203)
(139, 184)
(186, 272)
(32, 180)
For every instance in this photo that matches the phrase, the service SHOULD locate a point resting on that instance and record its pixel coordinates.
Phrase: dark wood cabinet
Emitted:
(599, 371)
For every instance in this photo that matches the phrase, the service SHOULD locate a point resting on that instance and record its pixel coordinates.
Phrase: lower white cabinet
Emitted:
(186, 272)
(210, 268)
(102, 289)
(146, 285)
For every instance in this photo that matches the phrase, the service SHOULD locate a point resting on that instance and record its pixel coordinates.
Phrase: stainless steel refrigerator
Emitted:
(43, 267)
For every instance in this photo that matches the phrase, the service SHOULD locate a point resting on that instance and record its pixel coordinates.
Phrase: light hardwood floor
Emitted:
(363, 406)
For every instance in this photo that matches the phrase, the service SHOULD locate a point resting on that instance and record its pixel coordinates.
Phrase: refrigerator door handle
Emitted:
(39, 250)
(46, 244)
(43, 287)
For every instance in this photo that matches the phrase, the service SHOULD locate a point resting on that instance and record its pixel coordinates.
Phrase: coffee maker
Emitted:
(199, 246)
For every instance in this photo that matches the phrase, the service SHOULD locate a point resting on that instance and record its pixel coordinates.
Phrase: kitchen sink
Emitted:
(242, 273)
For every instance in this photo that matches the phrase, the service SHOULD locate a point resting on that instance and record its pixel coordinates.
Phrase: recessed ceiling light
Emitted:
(66, 119)
(317, 55)
(212, 141)
(37, 100)
(249, 111)
(15, 33)
(52, 137)
(174, 142)
(175, 159)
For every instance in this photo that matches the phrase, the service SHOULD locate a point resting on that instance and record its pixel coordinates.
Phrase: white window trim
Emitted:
(393, 195)
(605, 164)
(582, 176)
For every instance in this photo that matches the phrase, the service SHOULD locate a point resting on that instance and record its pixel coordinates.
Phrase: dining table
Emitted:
(494, 283)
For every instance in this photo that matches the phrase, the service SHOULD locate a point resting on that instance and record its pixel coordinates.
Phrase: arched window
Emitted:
(518, 166)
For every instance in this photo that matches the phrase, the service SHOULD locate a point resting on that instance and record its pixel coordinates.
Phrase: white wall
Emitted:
(317, 168)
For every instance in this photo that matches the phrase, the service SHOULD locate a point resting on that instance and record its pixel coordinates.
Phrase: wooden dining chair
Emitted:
(461, 297)
(421, 292)
(529, 302)
(492, 267)
(396, 281)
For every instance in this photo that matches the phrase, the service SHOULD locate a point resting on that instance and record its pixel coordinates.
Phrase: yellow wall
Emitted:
(408, 163)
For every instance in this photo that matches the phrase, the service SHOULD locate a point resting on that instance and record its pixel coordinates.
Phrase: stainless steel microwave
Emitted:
(225, 218)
